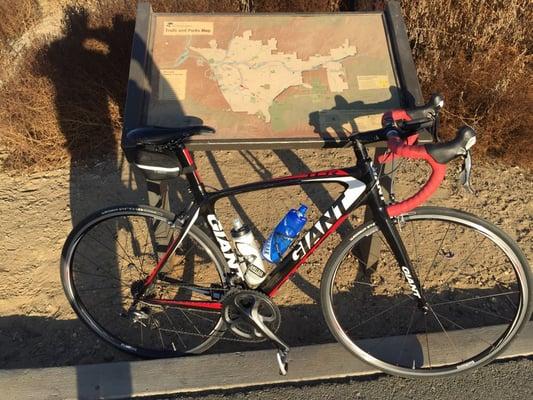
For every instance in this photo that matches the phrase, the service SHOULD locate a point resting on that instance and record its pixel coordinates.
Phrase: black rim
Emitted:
(382, 309)
(156, 321)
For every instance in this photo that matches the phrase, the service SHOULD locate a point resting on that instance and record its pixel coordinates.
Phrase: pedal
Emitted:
(249, 310)
(282, 356)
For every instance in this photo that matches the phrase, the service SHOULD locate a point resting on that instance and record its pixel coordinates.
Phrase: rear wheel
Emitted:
(105, 262)
(474, 277)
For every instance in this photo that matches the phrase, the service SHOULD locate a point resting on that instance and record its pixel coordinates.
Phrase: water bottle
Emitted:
(253, 269)
(286, 231)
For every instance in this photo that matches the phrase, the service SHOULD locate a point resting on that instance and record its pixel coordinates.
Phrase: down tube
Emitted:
(328, 223)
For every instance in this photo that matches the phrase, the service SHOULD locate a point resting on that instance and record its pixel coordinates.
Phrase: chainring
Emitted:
(238, 324)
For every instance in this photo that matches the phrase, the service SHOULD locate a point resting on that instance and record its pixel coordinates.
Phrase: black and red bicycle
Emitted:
(158, 284)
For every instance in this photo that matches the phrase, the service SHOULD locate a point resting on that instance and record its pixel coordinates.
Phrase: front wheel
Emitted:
(105, 262)
(473, 276)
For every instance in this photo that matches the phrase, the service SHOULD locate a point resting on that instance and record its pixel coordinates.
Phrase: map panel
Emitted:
(271, 76)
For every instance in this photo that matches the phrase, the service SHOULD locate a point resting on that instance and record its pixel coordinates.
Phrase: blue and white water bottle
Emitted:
(286, 231)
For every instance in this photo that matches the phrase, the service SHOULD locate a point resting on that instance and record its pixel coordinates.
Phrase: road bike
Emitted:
(398, 288)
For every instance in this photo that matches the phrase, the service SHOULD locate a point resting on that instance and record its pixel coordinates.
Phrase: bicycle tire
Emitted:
(147, 332)
(375, 297)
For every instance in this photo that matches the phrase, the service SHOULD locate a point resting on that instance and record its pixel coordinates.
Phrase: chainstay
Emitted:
(218, 336)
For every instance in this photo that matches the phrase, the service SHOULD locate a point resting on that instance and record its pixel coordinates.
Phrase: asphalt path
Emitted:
(511, 379)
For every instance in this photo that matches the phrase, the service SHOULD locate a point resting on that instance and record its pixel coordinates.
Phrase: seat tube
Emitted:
(196, 185)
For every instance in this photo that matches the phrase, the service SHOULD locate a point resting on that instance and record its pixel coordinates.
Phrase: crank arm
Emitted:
(254, 318)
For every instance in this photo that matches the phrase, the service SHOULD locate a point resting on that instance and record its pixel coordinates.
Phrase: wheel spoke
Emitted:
(145, 246)
(472, 284)
(436, 254)
(474, 298)
(96, 275)
(446, 333)
(405, 336)
(108, 249)
(427, 338)
(485, 312)
(377, 315)
(458, 268)
(105, 289)
(189, 320)
(115, 238)
(463, 328)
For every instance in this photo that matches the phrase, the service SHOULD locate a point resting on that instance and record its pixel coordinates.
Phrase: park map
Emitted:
(271, 75)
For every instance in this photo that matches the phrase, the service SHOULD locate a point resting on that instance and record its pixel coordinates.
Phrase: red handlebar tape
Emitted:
(408, 149)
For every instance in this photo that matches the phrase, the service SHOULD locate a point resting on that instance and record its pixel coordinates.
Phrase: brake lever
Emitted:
(435, 129)
(466, 171)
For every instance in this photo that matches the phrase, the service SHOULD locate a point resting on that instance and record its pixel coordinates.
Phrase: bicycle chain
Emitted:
(220, 336)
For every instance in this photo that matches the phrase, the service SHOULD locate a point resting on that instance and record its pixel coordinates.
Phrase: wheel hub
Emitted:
(137, 289)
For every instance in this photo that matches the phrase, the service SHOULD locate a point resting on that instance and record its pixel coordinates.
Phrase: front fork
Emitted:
(378, 206)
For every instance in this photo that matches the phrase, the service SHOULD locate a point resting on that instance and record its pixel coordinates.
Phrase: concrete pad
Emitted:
(200, 373)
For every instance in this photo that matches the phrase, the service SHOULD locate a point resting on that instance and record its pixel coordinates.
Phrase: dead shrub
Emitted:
(65, 104)
(295, 5)
(27, 120)
(478, 54)
(16, 19)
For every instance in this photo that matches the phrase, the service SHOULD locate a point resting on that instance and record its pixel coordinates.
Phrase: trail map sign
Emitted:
(269, 80)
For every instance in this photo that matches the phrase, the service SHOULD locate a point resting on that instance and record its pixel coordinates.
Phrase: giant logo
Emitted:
(349, 197)
(223, 242)
(318, 230)
(411, 282)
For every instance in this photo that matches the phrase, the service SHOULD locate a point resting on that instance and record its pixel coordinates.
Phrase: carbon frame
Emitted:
(361, 187)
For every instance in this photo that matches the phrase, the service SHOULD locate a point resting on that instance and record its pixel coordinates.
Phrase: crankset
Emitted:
(253, 315)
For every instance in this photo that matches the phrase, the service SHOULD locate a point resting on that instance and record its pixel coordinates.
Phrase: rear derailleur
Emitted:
(253, 315)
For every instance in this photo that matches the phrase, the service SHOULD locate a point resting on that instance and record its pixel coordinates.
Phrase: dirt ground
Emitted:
(37, 211)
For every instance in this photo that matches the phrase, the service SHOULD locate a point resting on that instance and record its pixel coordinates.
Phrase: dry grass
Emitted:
(65, 102)
(16, 20)
(478, 53)
(295, 5)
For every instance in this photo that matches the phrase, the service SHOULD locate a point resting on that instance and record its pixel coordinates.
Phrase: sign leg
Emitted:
(157, 194)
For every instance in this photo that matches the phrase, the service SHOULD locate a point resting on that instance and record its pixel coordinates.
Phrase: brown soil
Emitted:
(38, 327)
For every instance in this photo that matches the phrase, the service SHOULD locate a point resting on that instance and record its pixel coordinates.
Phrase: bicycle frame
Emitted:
(361, 187)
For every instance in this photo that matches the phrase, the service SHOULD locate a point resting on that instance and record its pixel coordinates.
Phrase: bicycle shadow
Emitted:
(346, 118)
(27, 339)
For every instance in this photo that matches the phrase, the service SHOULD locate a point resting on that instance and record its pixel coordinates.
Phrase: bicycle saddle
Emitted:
(157, 135)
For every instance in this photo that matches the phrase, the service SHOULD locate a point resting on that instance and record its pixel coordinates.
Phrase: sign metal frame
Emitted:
(139, 86)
